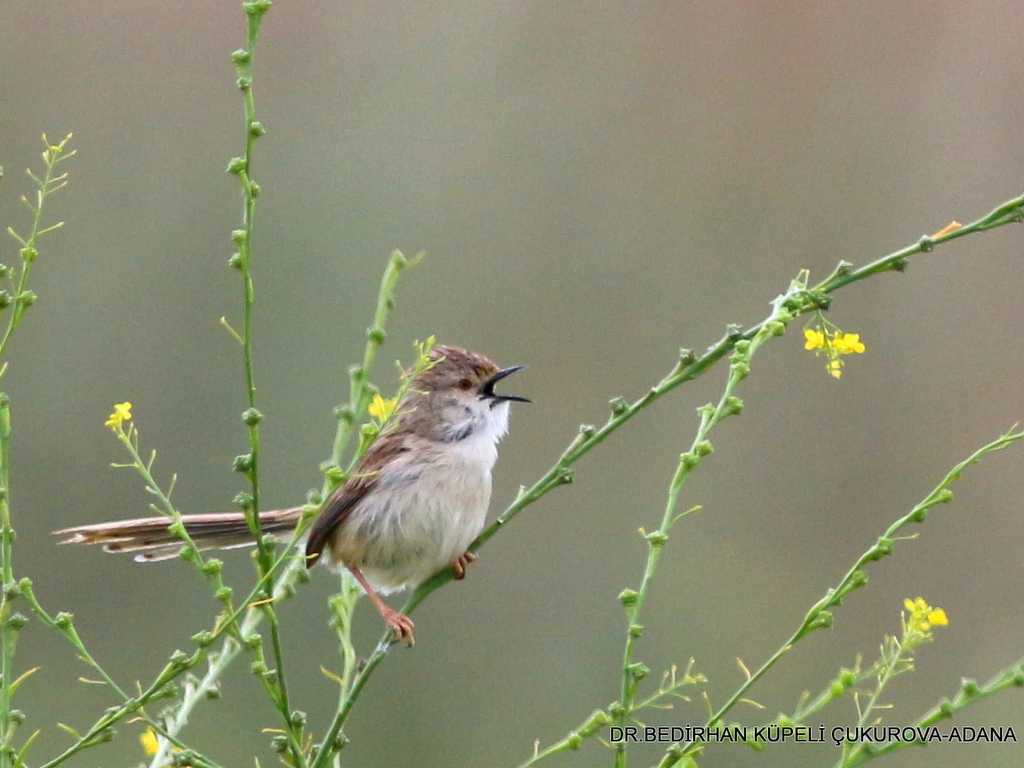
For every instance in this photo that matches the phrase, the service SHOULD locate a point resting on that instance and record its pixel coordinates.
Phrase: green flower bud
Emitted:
(252, 417)
(628, 596)
(619, 406)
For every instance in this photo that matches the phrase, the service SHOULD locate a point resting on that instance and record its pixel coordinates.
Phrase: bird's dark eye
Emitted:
(465, 384)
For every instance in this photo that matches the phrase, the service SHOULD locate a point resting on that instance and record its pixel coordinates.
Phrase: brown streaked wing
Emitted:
(341, 503)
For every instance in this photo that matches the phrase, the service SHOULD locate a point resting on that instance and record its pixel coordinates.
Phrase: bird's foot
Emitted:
(400, 624)
(461, 564)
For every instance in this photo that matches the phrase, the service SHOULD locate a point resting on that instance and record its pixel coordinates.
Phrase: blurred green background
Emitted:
(595, 184)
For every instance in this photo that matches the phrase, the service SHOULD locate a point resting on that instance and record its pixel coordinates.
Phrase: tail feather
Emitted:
(150, 538)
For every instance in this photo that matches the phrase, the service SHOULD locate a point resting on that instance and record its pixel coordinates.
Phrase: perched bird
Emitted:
(412, 505)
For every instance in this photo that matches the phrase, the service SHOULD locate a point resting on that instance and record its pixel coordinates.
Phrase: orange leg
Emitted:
(399, 623)
(461, 564)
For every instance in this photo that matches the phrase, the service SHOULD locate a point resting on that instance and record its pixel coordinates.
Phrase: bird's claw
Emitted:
(401, 626)
(460, 565)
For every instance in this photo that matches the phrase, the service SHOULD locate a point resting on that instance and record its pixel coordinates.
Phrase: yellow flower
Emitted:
(122, 413)
(922, 616)
(832, 347)
(382, 409)
(845, 343)
(150, 743)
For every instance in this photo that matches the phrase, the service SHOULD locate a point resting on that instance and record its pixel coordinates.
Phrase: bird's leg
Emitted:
(459, 565)
(399, 623)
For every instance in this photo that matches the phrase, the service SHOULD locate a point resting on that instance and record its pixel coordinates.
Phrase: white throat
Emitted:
(483, 429)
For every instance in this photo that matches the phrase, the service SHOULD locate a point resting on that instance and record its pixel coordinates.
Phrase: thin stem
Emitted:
(49, 184)
(360, 389)
(9, 631)
(242, 167)
(23, 299)
(885, 670)
(276, 684)
(589, 727)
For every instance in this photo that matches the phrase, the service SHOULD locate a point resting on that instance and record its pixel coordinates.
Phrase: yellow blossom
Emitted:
(845, 343)
(150, 743)
(922, 616)
(833, 346)
(122, 413)
(382, 408)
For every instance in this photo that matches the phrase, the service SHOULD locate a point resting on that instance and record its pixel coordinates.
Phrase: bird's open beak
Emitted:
(487, 388)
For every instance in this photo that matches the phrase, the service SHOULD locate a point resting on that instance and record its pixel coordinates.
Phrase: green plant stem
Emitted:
(9, 631)
(244, 240)
(22, 299)
(847, 680)
(360, 389)
(573, 740)
(277, 686)
(819, 616)
(29, 249)
(886, 668)
(1010, 212)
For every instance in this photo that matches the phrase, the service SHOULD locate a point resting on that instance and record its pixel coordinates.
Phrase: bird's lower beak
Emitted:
(487, 388)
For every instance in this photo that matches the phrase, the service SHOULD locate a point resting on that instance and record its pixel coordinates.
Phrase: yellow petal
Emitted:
(815, 339)
(149, 742)
(377, 408)
(850, 342)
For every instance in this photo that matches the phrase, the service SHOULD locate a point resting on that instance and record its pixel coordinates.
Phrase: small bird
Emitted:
(412, 506)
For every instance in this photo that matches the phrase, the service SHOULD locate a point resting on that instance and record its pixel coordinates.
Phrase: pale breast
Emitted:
(422, 514)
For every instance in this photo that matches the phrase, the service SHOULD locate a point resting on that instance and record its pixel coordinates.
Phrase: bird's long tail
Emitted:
(150, 539)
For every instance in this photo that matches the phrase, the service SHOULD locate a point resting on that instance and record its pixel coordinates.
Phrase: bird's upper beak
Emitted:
(487, 388)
